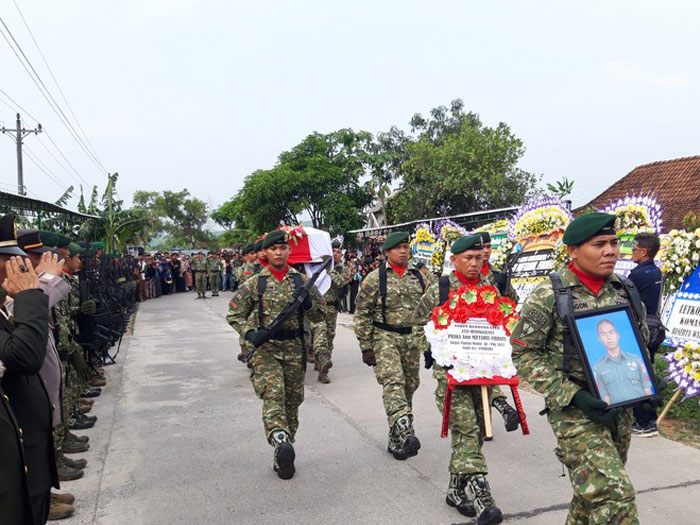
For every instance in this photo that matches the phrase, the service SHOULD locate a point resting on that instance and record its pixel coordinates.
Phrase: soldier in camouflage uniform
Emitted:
(198, 265)
(468, 491)
(278, 365)
(246, 269)
(323, 350)
(214, 269)
(592, 441)
(389, 343)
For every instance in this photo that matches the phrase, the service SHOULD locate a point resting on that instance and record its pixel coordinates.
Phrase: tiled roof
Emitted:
(674, 183)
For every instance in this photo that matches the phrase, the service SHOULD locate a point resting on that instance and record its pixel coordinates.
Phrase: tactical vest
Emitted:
(281, 335)
(403, 330)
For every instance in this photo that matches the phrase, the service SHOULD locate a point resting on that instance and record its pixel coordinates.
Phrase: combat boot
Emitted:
(284, 455)
(71, 446)
(62, 498)
(324, 365)
(80, 439)
(511, 419)
(77, 464)
(84, 408)
(65, 473)
(408, 442)
(323, 378)
(59, 511)
(97, 381)
(79, 424)
(457, 496)
(393, 443)
(91, 392)
(479, 492)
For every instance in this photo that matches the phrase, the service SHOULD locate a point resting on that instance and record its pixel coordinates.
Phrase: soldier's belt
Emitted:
(403, 330)
(286, 335)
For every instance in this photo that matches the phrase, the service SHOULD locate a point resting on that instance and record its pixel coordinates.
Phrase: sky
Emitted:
(198, 94)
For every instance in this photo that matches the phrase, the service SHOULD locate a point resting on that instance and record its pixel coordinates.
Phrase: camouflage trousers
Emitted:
(466, 425)
(397, 370)
(200, 282)
(278, 379)
(323, 334)
(595, 456)
(214, 282)
(59, 431)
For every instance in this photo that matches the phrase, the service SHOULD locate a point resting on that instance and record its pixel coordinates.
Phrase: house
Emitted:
(674, 183)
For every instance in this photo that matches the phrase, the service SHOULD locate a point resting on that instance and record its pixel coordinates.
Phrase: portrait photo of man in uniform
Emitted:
(620, 371)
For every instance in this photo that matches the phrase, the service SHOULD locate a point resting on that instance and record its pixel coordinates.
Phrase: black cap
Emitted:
(30, 241)
(8, 236)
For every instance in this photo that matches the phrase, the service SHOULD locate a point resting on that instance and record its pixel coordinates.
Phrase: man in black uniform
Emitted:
(646, 276)
(23, 338)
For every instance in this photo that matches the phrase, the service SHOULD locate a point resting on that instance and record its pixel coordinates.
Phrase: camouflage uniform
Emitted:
(324, 352)
(594, 454)
(466, 412)
(278, 366)
(244, 271)
(214, 270)
(397, 355)
(199, 266)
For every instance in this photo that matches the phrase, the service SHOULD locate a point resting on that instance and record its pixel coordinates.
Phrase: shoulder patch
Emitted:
(535, 317)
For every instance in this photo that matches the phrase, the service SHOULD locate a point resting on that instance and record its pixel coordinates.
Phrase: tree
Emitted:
(458, 165)
(319, 177)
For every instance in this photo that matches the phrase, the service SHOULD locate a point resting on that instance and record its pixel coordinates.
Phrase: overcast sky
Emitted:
(198, 94)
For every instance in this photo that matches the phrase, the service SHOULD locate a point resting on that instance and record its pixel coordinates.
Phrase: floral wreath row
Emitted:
(635, 215)
(480, 302)
(539, 215)
(684, 369)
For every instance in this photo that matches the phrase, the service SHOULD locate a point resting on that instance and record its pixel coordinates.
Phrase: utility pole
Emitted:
(19, 134)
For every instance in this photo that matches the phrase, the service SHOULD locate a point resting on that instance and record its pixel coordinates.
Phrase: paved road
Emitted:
(180, 441)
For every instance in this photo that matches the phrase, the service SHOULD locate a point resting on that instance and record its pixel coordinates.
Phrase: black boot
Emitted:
(479, 492)
(457, 496)
(511, 419)
(77, 464)
(408, 442)
(65, 473)
(284, 455)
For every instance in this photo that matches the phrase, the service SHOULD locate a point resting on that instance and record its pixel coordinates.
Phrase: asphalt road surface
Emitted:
(179, 440)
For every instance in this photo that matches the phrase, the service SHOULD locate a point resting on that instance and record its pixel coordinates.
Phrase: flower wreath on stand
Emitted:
(499, 255)
(462, 305)
(636, 215)
(446, 232)
(684, 369)
(681, 255)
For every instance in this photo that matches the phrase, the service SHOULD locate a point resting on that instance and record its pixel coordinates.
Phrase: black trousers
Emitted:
(354, 288)
(40, 507)
(644, 416)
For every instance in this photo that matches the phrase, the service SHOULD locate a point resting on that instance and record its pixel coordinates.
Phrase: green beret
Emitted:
(49, 239)
(74, 249)
(257, 245)
(247, 249)
(275, 237)
(98, 245)
(394, 239)
(589, 225)
(473, 242)
(62, 241)
(485, 237)
(336, 244)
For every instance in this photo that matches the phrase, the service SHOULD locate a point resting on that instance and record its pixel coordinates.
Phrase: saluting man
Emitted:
(468, 491)
(279, 364)
(388, 341)
(592, 441)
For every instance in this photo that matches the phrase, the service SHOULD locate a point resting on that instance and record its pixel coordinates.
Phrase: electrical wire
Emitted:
(65, 99)
(29, 68)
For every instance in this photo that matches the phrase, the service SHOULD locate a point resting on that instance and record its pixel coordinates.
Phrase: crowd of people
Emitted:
(64, 305)
(283, 323)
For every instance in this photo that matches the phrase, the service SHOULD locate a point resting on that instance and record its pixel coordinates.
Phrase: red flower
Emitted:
(461, 314)
(495, 317)
(479, 309)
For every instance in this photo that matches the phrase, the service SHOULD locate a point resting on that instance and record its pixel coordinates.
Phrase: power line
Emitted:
(29, 68)
(79, 179)
(31, 156)
(43, 58)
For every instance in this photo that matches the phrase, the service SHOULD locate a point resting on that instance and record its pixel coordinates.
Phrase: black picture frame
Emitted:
(619, 383)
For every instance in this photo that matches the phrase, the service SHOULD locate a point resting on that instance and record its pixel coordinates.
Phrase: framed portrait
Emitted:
(618, 371)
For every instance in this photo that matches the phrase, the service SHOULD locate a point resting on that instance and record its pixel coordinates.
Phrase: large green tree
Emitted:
(456, 165)
(318, 178)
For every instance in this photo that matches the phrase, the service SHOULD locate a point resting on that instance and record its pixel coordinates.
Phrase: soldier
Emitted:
(278, 365)
(199, 268)
(592, 441)
(246, 269)
(388, 297)
(323, 352)
(214, 269)
(468, 491)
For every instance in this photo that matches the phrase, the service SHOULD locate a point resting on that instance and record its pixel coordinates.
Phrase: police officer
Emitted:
(592, 441)
(389, 343)
(278, 365)
(648, 279)
(468, 491)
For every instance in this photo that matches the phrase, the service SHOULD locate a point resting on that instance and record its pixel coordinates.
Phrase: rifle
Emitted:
(291, 307)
